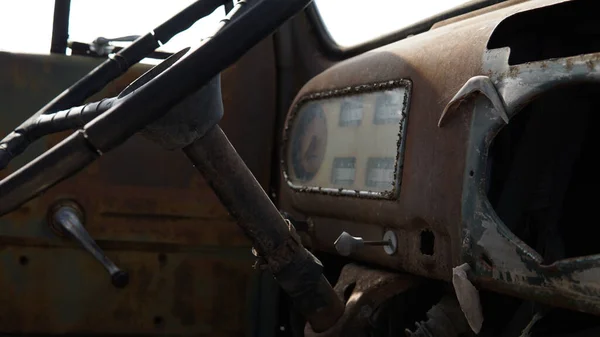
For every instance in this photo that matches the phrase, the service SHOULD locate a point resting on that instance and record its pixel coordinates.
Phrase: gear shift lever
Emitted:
(68, 219)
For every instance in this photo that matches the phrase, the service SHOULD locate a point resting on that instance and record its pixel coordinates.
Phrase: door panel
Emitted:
(153, 214)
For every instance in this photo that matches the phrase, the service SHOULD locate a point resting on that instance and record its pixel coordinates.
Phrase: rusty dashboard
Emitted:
(426, 177)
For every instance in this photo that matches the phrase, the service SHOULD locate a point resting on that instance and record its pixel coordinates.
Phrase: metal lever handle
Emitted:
(68, 219)
(347, 244)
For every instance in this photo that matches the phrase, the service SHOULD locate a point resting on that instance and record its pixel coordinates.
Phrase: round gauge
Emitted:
(308, 140)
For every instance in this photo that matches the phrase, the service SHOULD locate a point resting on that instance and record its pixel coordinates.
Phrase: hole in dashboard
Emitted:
(23, 260)
(427, 242)
(487, 261)
(162, 259)
(561, 30)
(158, 321)
(348, 291)
(544, 173)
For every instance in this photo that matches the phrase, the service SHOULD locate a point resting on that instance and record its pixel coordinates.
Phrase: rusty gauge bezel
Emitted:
(340, 93)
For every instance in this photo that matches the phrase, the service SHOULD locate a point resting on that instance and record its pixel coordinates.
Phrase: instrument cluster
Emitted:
(348, 142)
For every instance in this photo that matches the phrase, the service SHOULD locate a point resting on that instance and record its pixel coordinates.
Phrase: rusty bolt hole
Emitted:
(487, 261)
(162, 259)
(23, 260)
(427, 242)
(348, 291)
(471, 173)
(159, 321)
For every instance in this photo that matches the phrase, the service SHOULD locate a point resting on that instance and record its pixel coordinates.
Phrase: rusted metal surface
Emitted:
(445, 319)
(63, 290)
(500, 260)
(443, 172)
(476, 85)
(147, 208)
(364, 290)
(437, 63)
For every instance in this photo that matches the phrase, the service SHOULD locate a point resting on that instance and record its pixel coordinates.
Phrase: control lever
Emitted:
(68, 219)
(347, 244)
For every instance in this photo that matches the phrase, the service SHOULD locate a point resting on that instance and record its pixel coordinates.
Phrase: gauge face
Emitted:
(349, 142)
(351, 111)
(380, 173)
(309, 139)
(388, 107)
(343, 171)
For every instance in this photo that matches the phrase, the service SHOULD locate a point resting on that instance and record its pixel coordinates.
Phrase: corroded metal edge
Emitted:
(500, 260)
(364, 289)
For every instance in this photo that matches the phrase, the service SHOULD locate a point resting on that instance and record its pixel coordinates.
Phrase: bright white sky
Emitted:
(26, 25)
(351, 22)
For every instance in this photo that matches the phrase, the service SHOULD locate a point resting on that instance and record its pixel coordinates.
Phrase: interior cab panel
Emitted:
(436, 181)
(154, 217)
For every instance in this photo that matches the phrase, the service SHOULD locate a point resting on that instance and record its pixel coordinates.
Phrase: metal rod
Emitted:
(60, 26)
(298, 272)
(376, 243)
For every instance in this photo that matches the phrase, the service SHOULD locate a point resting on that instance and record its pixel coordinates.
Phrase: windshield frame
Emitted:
(335, 51)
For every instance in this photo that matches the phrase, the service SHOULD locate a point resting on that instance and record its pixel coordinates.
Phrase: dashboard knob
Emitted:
(68, 219)
(347, 244)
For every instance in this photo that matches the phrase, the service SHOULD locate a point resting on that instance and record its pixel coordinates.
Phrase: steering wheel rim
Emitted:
(147, 103)
(114, 66)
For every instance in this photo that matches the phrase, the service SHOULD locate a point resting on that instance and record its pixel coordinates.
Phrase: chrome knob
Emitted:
(67, 219)
(347, 244)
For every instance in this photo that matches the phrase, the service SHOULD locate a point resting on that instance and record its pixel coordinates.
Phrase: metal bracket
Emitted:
(364, 289)
(476, 85)
(468, 297)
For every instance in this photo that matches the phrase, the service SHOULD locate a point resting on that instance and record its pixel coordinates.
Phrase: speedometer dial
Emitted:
(308, 140)
(388, 108)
